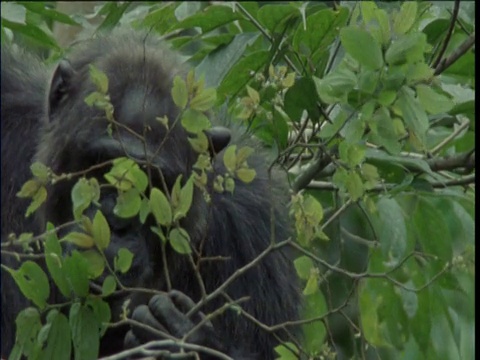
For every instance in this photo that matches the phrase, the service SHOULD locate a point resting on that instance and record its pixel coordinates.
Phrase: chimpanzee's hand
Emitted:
(167, 313)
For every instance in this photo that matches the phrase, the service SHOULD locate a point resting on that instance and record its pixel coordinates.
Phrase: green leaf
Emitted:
(33, 282)
(204, 100)
(243, 154)
(302, 96)
(126, 173)
(370, 300)
(241, 73)
(407, 48)
(431, 229)
(210, 18)
(436, 29)
(31, 31)
(29, 189)
(354, 185)
(95, 263)
(404, 20)
(114, 12)
(179, 92)
(319, 30)
(314, 332)
(101, 311)
(101, 231)
(329, 130)
(144, 210)
(218, 63)
(312, 284)
(361, 45)
(175, 193)
(229, 185)
(194, 121)
(336, 85)
(161, 20)
(386, 97)
(383, 131)
(28, 325)
(303, 266)
(180, 241)
(138, 177)
(433, 102)
(40, 171)
(184, 201)
(392, 231)
(159, 232)
(99, 78)
(253, 94)
(370, 174)
(230, 158)
(37, 200)
(419, 72)
(123, 260)
(352, 154)
(85, 332)
(53, 259)
(313, 209)
(80, 239)
(274, 16)
(59, 345)
(285, 352)
(84, 192)
(246, 175)
(423, 315)
(76, 269)
(378, 21)
(109, 285)
(368, 81)
(40, 8)
(160, 207)
(200, 143)
(409, 300)
(405, 162)
(413, 114)
(128, 204)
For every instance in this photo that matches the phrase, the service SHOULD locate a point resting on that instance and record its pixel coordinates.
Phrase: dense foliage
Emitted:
(369, 106)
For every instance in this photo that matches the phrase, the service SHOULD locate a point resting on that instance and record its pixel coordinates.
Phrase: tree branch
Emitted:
(456, 7)
(462, 49)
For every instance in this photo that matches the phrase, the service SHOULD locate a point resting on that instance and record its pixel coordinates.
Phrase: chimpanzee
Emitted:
(44, 118)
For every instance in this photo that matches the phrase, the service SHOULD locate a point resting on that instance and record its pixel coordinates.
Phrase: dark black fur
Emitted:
(56, 127)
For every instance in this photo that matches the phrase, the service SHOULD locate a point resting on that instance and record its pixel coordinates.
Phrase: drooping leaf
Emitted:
(53, 259)
(123, 260)
(179, 92)
(58, 341)
(85, 330)
(160, 207)
(101, 231)
(33, 282)
(180, 241)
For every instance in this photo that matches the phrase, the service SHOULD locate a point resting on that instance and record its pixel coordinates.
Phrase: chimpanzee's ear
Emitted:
(60, 85)
(218, 139)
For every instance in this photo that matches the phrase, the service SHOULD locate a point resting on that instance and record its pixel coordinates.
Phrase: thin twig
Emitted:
(462, 49)
(456, 7)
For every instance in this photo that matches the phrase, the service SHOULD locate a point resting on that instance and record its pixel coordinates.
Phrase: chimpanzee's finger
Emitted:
(143, 315)
(185, 304)
(165, 311)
